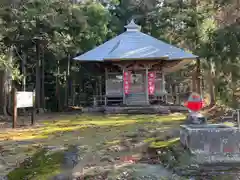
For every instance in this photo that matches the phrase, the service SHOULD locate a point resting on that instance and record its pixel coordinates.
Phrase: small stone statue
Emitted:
(194, 104)
(196, 118)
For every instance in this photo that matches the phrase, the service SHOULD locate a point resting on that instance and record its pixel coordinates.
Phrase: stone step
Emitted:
(137, 110)
(136, 99)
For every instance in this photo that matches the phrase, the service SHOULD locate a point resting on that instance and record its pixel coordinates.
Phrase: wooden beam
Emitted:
(146, 85)
(100, 86)
(123, 92)
(106, 76)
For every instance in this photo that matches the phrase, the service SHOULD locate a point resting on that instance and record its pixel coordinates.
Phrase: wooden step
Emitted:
(136, 99)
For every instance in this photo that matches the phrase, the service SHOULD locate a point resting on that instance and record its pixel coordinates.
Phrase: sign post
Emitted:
(14, 108)
(33, 109)
(22, 99)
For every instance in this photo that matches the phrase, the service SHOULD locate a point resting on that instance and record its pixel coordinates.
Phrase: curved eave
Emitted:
(87, 60)
(166, 58)
(179, 66)
(137, 59)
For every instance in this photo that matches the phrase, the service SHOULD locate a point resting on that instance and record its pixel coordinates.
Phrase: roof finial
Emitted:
(132, 26)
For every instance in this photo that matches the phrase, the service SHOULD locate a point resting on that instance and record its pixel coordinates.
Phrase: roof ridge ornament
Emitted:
(132, 26)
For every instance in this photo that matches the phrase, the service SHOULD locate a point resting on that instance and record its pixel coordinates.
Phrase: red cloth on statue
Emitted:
(194, 106)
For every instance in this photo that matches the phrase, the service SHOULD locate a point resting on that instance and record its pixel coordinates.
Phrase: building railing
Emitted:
(177, 99)
(97, 100)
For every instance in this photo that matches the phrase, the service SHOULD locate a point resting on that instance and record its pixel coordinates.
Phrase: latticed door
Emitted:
(137, 95)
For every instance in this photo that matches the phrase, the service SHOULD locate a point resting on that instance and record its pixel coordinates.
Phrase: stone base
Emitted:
(150, 109)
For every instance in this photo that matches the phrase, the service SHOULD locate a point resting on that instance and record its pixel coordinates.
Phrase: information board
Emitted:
(25, 99)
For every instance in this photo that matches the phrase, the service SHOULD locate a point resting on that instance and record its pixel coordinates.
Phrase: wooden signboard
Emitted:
(22, 99)
(25, 99)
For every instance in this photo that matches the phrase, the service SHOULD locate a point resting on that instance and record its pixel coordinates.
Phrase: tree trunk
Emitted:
(24, 72)
(7, 83)
(67, 82)
(73, 85)
(38, 80)
(43, 79)
(233, 86)
(57, 87)
(211, 89)
(4, 92)
(198, 77)
(194, 89)
(14, 105)
(2, 81)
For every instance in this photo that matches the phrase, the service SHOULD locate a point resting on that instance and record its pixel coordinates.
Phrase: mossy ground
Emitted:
(38, 167)
(94, 132)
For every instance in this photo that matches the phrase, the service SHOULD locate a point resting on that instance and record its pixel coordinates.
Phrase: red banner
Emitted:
(151, 83)
(127, 81)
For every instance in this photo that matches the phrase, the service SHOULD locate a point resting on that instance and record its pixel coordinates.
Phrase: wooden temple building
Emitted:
(135, 66)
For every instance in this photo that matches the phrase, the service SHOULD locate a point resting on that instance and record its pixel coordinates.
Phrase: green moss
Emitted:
(114, 142)
(161, 144)
(94, 129)
(149, 140)
(230, 124)
(39, 167)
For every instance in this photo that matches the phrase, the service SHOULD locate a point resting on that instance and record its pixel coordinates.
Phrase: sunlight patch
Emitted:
(161, 144)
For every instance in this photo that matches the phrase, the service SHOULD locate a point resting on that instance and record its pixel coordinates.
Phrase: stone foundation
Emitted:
(153, 109)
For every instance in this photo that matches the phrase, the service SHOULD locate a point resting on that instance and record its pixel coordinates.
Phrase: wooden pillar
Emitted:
(73, 84)
(100, 86)
(163, 82)
(177, 90)
(123, 93)
(164, 87)
(94, 101)
(106, 77)
(96, 88)
(105, 100)
(100, 89)
(146, 86)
